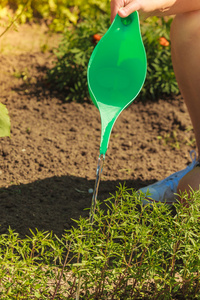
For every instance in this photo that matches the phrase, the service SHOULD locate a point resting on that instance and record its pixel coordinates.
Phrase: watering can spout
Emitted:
(106, 128)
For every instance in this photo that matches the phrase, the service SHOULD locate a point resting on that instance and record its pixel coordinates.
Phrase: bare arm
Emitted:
(153, 7)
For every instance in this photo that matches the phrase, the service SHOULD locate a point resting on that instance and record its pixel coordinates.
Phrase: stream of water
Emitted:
(93, 205)
(96, 187)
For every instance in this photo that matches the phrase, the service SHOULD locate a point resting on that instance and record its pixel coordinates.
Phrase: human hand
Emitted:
(147, 7)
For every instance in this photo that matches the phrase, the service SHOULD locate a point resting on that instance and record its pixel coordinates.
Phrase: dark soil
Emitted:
(49, 162)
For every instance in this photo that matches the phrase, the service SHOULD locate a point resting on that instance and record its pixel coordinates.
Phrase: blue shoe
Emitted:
(164, 191)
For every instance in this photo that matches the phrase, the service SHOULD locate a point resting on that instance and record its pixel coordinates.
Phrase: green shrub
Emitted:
(29, 265)
(160, 78)
(129, 252)
(69, 76)
(135, 252)
(69, 73)
(60, 13)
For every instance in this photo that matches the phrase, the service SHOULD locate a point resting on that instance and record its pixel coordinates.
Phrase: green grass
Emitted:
(129, 252)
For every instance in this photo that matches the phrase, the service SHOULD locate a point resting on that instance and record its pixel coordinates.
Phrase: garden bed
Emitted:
(49, 162)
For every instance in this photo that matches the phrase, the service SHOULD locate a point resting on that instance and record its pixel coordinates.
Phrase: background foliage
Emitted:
(69, 73)
(160, 78)
(58, 13)
(79, 20)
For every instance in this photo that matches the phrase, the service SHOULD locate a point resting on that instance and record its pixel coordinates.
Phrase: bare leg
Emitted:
(185, 39)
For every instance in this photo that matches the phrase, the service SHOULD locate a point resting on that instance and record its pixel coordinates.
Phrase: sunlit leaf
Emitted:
(4, 121)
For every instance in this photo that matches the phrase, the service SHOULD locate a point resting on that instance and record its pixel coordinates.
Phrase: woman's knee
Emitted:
(185, 29)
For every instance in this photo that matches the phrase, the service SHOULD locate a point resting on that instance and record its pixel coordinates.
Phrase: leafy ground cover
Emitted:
(48, 165)
(129, 252)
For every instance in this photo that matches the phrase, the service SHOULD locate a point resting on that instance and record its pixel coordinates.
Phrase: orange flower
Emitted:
(163, 41)
(97, 37)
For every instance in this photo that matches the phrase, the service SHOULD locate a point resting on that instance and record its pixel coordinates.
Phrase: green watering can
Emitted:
(116, 72)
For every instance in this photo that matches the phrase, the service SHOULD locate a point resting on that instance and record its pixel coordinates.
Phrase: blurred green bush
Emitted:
(69, 73)
(79, 20)
(59, 13)
(160, 78)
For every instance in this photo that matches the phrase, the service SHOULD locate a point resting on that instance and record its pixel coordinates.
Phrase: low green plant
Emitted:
(22, 74)
(136, 252)
(69, 75)
(190, 140)
(172, 139)
(28, 266)
(129, 252)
